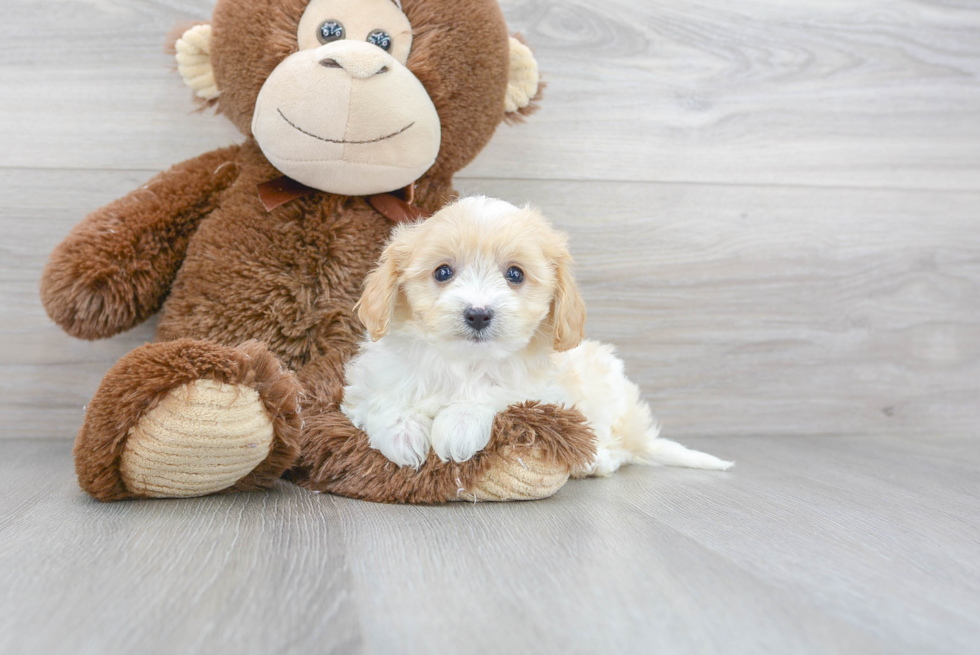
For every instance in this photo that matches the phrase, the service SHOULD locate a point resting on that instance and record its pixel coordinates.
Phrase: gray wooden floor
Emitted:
(853, 545)
(774, 207)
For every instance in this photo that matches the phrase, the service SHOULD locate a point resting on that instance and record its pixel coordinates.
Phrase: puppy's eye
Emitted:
(381, 39)
(330, 30)
(514, 275)
(443, 274)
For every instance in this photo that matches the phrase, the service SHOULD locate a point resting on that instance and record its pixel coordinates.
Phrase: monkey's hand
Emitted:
(115, 268)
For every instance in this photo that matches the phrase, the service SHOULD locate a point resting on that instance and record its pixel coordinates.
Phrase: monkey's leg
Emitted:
(189, 418)
(530, 455)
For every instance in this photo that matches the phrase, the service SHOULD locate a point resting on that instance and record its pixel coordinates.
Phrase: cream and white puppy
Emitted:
(474, 310)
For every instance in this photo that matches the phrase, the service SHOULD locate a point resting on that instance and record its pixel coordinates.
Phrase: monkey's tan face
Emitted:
(344, 114)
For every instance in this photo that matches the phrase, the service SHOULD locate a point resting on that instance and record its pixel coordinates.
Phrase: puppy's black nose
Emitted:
(478, 317)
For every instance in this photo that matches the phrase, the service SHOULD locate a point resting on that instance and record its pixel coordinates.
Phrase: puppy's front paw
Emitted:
(460, 431)
(405, 441)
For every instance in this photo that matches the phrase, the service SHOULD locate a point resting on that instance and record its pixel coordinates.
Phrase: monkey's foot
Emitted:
(518, 474)
(189, 418)
(202, 437)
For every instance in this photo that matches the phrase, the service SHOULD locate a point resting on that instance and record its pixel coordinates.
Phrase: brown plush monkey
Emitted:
(348, 98)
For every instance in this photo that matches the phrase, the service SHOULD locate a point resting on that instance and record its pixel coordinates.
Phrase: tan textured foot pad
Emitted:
(202, 437)
(520, 475)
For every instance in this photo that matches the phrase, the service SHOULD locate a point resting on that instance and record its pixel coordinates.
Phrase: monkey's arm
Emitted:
(531, 453)
(115, 268)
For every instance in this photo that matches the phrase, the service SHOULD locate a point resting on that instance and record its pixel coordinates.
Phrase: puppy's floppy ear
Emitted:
(377, 304)
(568, 308)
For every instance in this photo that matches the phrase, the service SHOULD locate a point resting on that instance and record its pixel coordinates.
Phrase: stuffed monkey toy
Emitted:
(356, 115)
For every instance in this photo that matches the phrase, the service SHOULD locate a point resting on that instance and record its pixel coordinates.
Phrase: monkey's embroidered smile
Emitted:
(321, 138)
(349, 79)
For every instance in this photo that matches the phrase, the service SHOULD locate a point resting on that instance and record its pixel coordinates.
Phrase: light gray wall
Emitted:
(774, 204)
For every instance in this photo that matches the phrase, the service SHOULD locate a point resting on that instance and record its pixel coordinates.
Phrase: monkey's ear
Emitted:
(523, 87)
(194, 61)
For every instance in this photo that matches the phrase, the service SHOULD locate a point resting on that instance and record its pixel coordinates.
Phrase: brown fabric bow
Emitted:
(283, 189)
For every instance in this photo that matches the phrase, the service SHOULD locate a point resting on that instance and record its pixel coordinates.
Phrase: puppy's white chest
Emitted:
(463, 384)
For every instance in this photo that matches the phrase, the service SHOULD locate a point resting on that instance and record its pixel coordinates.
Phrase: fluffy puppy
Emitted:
(474, 310)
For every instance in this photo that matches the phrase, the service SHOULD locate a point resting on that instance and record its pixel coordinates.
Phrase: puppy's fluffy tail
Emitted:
(671, 453)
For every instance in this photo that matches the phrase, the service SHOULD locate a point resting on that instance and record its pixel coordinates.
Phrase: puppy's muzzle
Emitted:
(477, 318)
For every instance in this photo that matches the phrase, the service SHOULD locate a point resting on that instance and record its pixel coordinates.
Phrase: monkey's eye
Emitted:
(514, 275)
(330, 30)
(443, 274)
(381, 39)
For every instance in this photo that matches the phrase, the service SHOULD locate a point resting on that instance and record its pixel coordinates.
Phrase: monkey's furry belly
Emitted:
(289, 280)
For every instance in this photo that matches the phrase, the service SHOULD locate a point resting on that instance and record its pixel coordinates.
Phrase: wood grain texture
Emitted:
(880, 93)
(768, 310)
(188, 576)
(739, 310)
(843, 93)
(773, 206)
(810, 545)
